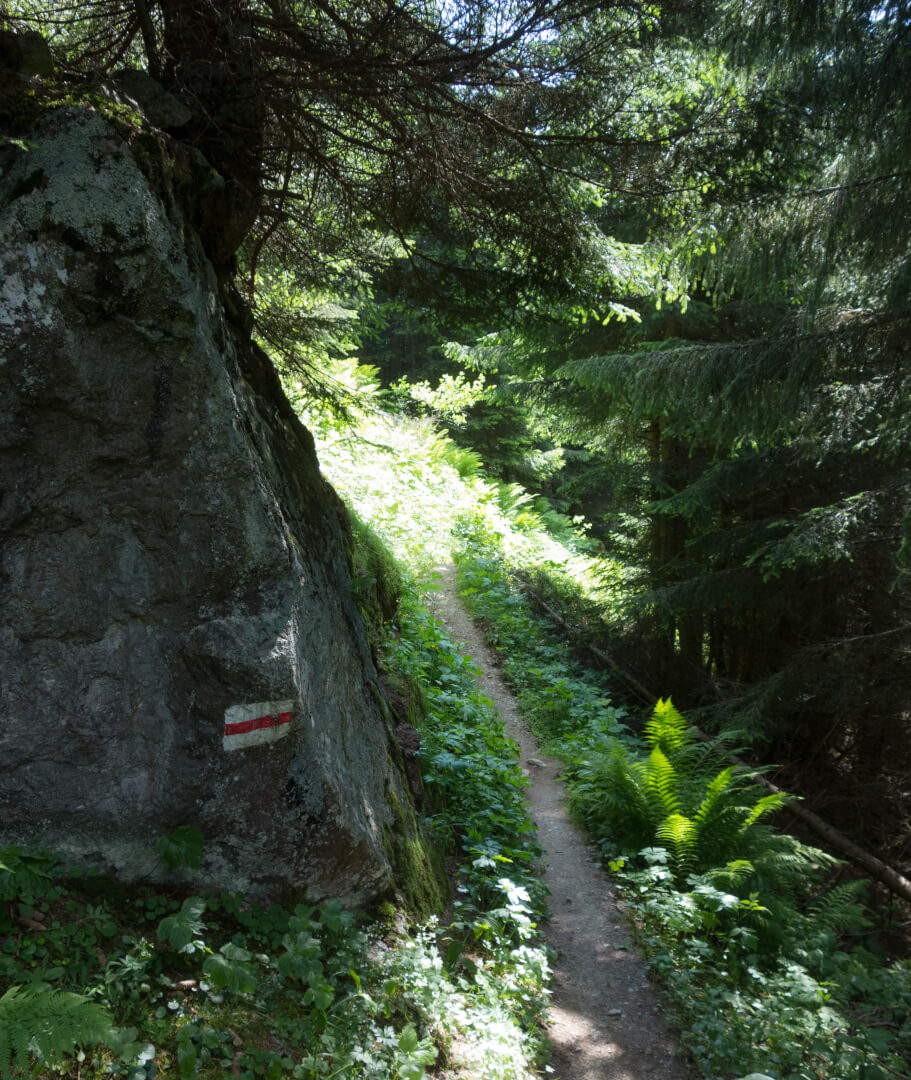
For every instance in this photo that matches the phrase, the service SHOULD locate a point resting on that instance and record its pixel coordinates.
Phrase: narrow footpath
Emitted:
(605, 1023)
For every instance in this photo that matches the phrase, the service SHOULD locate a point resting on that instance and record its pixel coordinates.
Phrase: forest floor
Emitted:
(605, 1020)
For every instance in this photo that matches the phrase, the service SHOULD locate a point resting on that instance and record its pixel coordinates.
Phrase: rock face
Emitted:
(178, 645)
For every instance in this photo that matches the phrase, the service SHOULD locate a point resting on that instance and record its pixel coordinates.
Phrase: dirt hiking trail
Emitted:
(604, 1018)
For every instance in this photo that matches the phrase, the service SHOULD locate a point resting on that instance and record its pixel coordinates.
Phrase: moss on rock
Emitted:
(376, 580)
(418, 868)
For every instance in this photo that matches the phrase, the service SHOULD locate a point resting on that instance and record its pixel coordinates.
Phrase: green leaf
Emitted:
(408, 1040)
(48, 1022)
(229, 969)
(187, 1055)
(180, 930)
(182, 847)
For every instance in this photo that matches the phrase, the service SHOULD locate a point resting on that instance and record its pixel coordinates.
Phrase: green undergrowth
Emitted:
(475, 810)
(412, 485)
(769, 959)
(101, 980)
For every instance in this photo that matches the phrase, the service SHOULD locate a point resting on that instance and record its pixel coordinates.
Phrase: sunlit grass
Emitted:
(396, 473)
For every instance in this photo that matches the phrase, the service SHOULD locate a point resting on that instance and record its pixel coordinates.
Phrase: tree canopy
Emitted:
(476, 139)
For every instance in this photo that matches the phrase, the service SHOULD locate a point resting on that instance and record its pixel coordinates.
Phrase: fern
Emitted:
(711, 823)
(666, 729)
(841, 908)
(679, 835)
(732, 875)
(784, 857)
(511, 498)
(36, 1021)
(718, 787)
(769, 804)
(677, 797)
(761, 891)
(661, 778)
(625, 782)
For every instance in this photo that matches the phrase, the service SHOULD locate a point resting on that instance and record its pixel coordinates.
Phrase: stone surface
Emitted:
(130, 86)
(28, 53)
(170, 553)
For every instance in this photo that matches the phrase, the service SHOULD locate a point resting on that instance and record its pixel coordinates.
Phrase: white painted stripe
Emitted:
(261, 722)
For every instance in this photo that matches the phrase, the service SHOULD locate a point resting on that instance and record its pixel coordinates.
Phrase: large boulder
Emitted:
(178, 645)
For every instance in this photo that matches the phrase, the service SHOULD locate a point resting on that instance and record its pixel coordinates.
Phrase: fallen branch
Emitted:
(638, 689)
(876, 868)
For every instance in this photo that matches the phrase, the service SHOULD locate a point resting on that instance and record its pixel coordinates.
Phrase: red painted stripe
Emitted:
(241, 727)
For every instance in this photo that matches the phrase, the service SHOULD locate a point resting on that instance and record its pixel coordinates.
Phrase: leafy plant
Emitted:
(230, 967)
(36, 1021)
(23, 872)
(673, 797)
(413, 1054)
(183, 929)
(182, 847)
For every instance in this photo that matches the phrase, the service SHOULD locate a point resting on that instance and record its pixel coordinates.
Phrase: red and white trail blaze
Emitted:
(256, 724)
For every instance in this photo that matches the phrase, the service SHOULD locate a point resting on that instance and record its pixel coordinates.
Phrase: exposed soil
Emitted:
(605, 1022)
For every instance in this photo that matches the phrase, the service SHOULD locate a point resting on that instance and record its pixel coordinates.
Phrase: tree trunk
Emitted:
(212, 63)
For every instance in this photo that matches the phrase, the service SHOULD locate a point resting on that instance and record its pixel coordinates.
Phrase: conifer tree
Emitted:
(779, 462)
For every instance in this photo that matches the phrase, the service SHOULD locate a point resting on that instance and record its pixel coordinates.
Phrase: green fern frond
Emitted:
(679, 835)
(784, 864)
(768, 804)
(36, 1021)
(727, 743)
(666, 729)
(677, 830)
(782, 849)
(628, 779)
(721, 839)
(661, 778)
(841, 908)
(732, 874)
(720, 786)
